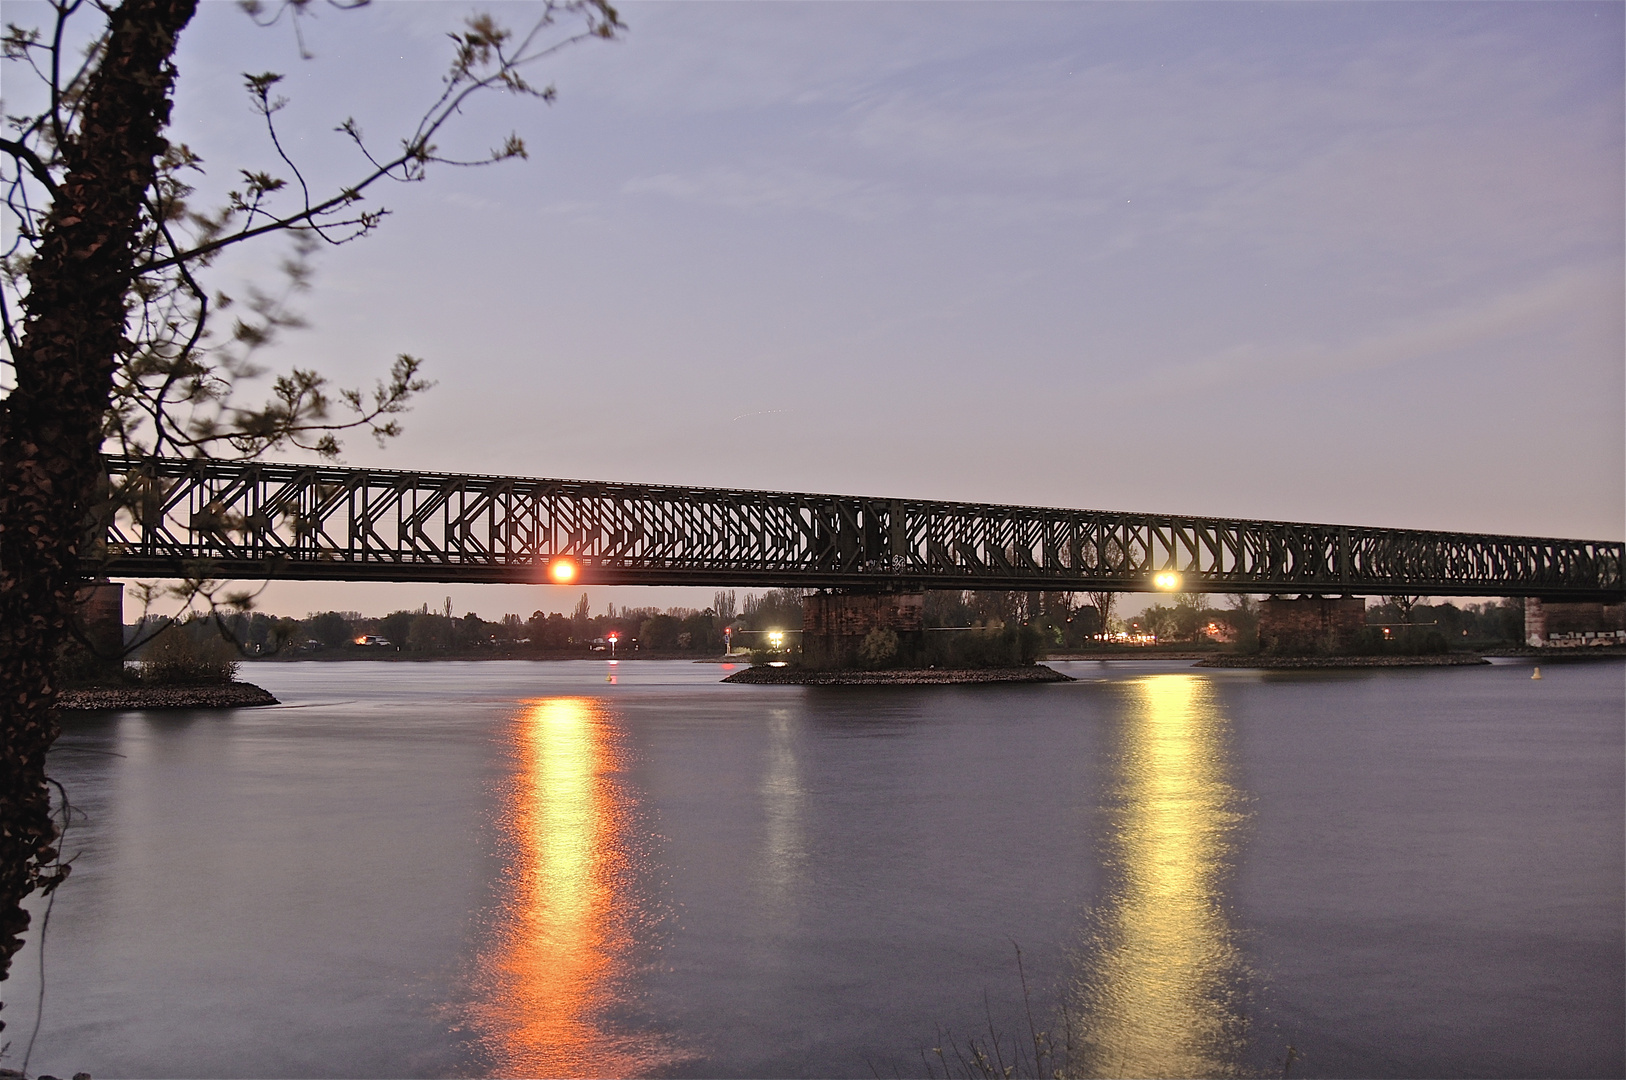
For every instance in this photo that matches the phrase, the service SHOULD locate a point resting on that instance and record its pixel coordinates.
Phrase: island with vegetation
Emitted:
(185, 666)
(793, 675)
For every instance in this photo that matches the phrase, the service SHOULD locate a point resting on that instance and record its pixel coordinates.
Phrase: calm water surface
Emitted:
(584, 869)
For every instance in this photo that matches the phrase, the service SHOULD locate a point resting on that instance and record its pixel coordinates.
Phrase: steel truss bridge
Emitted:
(229, 520)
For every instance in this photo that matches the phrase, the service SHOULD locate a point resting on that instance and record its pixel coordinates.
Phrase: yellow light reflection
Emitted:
(784, 801)
(1158, 993)
(561, 952)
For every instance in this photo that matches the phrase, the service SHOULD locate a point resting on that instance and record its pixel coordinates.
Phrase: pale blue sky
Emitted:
(1332, 262)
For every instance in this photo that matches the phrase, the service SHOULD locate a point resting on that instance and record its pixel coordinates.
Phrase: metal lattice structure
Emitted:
(222, 519)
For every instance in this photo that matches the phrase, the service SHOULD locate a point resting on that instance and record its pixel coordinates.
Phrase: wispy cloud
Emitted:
(775, 188)
(1550, 304)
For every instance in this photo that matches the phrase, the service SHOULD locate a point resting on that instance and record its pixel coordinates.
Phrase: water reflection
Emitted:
(783, 801)
(555, 973)
(1160, 981)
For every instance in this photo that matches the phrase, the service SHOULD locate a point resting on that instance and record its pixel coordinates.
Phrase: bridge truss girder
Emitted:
(230, 520)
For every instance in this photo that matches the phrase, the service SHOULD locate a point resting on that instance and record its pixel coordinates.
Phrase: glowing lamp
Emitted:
(562, 571)
(776, 638)
(1167, 580)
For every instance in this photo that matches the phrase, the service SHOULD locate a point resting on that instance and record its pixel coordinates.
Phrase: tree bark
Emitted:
(51, 425)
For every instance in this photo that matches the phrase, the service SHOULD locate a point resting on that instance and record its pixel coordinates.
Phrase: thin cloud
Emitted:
(1418, 340)
(782, 189)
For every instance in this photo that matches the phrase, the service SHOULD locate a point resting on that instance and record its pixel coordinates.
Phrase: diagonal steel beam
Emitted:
(264, 519)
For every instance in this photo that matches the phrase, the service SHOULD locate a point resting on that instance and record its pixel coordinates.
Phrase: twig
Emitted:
(45, 921)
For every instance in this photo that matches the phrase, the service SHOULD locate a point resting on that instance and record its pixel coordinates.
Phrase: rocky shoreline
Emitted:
(1563, 654)
(1311, 662)
(788, 676)
(237, 695)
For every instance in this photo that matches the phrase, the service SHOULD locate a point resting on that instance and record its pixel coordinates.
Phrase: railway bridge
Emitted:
(249, 519)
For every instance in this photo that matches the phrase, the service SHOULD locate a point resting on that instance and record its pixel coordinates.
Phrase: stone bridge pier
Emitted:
(834, 624)
(1550, 624)
(99, 618)
(1310, 623)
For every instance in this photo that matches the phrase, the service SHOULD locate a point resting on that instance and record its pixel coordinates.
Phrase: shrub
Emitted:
(77, 666)
(879, 648)
(772, 656)
(1006, 646)
(1405, 641)
(188, 656)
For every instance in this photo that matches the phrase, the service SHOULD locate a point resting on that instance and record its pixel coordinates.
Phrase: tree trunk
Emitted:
(51, 425)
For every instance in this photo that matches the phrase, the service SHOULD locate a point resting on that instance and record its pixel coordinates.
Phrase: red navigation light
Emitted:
(562, 571)
(615, 637)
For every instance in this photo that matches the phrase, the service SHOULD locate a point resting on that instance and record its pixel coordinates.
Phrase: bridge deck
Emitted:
(225, 519)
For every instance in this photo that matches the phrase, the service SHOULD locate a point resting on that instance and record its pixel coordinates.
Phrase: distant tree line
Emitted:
(636, 630)
(1193, 617)
(1051, 622)
(1490, 622)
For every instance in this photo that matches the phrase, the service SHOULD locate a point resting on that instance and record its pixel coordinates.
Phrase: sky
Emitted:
(1354, 263)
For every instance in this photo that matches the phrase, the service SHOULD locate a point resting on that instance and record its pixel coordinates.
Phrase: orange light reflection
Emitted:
(562, 948)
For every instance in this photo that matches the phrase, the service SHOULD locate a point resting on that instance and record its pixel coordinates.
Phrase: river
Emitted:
(585, 868)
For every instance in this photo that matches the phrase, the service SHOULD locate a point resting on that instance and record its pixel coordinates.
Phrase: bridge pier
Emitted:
(99, 617)
(1310, 623)
(1552, 624)
(834, 624)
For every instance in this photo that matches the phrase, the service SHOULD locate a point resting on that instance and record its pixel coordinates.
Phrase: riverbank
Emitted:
(1563, 654)
(788, 676)
(1304, 662)
(1135, 652)
(348, 655)
(236, 695)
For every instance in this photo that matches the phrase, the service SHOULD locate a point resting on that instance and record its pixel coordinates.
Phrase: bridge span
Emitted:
(237, 519)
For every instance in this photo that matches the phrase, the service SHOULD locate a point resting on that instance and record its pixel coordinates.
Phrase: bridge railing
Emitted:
(223, 519)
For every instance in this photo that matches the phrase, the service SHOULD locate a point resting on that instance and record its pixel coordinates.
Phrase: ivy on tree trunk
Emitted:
(51, 424)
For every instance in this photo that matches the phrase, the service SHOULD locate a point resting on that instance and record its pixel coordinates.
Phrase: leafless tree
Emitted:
(1103, 602)
(1405, 607)
(1245, 603)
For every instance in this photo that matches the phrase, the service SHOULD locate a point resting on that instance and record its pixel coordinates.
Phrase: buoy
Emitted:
(1536, 674)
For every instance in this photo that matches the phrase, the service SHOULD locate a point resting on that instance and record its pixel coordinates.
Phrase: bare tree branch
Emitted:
(111, 336)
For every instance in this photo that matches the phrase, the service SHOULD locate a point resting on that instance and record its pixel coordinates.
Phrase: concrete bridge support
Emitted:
(1310, 623)
(1569, 624)
(834, 625)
